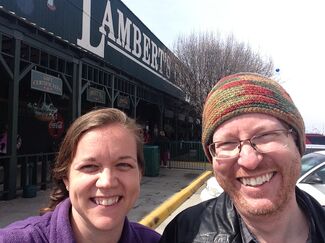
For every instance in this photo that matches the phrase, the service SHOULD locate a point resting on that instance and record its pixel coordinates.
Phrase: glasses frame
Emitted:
(249, 140)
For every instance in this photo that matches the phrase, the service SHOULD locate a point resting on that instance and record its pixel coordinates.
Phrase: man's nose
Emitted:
(107, 178)
(249, 157)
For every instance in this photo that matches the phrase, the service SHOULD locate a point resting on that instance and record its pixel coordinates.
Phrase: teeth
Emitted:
(106, 201)
(257, 181)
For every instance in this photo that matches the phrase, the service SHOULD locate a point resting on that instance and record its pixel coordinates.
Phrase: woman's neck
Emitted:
(84, 233)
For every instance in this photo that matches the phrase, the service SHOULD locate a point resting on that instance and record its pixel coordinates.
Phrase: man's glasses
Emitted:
(263, 143)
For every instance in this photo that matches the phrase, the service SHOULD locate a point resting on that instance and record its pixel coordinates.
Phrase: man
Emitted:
(164, 146)
(254, 136)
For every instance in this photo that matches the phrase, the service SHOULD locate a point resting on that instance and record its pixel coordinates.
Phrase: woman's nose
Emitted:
(107, 178)
(249, 157)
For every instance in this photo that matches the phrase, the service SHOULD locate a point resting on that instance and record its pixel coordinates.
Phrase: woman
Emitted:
(96, 182)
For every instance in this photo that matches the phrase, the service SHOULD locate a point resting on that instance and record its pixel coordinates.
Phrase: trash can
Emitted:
(29, 191)
(151, 158)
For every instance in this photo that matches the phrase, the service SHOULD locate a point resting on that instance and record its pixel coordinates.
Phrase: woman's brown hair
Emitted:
(68, 147)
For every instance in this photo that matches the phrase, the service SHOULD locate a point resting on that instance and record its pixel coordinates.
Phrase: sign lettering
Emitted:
(140, 49)
(46, 83)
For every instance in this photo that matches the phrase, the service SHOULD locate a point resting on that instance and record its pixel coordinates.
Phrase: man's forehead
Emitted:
(248, 122)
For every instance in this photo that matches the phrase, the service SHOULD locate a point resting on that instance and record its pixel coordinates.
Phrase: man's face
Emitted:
(259, 184)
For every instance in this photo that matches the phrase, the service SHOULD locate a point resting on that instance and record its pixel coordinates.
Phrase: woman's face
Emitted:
(103, 179)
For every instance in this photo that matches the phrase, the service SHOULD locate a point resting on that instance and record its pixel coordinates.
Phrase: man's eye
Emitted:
(227, 145)
(266, 136)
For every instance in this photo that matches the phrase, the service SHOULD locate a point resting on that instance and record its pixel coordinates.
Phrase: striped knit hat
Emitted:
(244, 93)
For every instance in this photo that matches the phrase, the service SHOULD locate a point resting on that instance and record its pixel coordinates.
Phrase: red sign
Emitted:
(56, 126)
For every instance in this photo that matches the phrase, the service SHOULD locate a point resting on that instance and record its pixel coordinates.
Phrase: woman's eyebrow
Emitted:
(127, 157)
(85, 160)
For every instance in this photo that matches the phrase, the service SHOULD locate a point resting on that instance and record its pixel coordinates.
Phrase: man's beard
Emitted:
(289, 178)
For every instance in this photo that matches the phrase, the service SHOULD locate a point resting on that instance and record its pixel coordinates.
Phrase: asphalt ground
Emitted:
(160, 196)
(193, 200)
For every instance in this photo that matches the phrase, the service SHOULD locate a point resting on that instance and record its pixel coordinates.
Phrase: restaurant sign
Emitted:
(181, 117)
(46, 83)
(107, 29)
(123, 102)
(96, 95)
(169, 113)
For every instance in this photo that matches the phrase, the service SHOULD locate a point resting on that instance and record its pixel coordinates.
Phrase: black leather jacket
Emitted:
(216, 220)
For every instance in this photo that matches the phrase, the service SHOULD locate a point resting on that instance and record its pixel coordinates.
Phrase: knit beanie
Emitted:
(244, 93)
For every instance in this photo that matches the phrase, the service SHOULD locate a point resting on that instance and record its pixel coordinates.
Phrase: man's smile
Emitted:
(256, 181)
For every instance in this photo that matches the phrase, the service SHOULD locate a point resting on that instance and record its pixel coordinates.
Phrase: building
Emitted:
(62, 58)
(314, 138)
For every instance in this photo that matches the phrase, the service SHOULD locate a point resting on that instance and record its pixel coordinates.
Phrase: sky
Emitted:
(291, 32)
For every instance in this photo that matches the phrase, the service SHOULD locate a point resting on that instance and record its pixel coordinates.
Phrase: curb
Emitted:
(158, 215)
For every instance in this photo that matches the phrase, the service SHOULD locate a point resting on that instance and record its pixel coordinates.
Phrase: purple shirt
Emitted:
(55, 227)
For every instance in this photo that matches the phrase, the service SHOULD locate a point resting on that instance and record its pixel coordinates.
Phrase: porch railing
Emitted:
(35, 169)
(187, 155)
(32, 169)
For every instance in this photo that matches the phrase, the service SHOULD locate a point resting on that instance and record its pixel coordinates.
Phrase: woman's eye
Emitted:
(125, 166)
(89, 168)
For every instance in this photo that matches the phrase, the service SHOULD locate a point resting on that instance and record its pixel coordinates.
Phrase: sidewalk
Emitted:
(154, 192)
(193, 200)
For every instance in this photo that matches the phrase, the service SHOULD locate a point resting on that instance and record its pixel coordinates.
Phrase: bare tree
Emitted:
(204, 58)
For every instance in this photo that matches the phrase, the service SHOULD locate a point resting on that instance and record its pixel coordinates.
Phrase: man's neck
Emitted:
(287, 225)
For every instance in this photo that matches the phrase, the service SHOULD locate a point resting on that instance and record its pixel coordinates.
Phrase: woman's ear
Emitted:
(66, 183)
